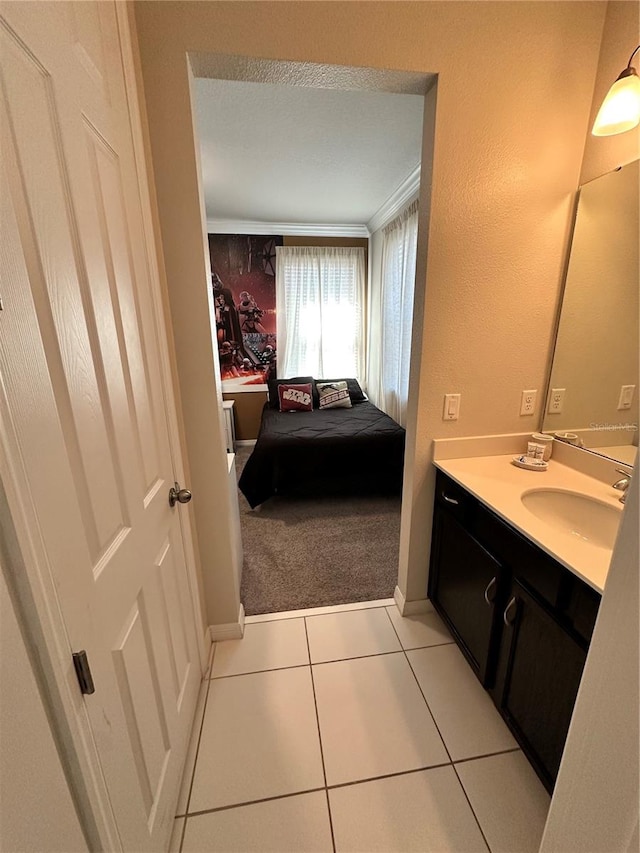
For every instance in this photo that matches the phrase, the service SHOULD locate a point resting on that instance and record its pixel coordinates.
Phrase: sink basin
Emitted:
(577, 515)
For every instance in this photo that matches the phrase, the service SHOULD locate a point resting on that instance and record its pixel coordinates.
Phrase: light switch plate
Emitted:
(626, 396)
(451, 407)
(556, 401)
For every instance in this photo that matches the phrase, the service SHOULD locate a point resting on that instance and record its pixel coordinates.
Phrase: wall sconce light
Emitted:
(620, 110)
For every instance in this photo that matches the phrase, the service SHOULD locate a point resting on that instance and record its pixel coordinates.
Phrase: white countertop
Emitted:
(625, 453)
(499, 485)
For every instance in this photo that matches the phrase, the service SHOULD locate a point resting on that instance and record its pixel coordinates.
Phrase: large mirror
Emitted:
(593, 388)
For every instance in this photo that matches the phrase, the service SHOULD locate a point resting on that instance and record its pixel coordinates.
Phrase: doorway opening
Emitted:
(303, 164)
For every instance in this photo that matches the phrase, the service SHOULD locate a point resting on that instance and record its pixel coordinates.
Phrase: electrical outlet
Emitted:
(528, 402)
(556, 401)
(626, 396)
(451, 407)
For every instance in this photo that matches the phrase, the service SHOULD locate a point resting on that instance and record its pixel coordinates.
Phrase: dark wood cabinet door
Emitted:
(464, 587)
(539, 672)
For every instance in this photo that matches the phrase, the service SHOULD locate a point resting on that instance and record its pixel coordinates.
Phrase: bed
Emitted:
(333, 451)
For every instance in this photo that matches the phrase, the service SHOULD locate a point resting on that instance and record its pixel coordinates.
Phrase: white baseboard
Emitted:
(211, 648)
(410, 608)
(248, 442)
(208, 646)
(230, 630)
(319, 611)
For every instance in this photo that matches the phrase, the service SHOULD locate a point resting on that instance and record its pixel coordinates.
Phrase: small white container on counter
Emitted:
(569, 438)
(546, 441)
(530, 463)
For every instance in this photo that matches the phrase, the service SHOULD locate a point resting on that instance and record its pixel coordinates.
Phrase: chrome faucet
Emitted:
(623, 484)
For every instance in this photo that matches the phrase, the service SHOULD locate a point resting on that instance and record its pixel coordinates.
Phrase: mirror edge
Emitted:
(558, 315)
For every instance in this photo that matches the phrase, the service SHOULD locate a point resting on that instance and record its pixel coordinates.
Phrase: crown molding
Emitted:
(394, 205)
(396, 202)
(286, 229)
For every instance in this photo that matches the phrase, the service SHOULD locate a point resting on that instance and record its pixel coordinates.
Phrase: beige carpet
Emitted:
(313, 552)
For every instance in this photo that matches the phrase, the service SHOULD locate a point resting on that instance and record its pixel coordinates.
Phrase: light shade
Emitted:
(620, 110)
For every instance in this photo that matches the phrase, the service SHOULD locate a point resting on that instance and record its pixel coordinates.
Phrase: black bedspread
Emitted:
(330, 451)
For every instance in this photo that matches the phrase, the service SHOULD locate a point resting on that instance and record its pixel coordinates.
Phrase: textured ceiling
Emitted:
(283, 153)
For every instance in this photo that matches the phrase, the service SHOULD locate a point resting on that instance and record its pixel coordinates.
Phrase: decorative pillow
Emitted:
(355, 391)
(334, 395)
(295, 398)
(274, 397)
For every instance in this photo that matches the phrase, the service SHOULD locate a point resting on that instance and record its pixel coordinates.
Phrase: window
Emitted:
(319, 302)
(392, 286)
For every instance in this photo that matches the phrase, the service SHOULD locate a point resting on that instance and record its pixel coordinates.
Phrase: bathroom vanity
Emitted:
(520, 597)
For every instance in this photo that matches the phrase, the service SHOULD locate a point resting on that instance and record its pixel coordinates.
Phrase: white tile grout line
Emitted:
(322, 662)
(327, 787)
(441, 737)
(379, 654)
(204, 687)
(195, 760)
(350, 784)
(232, 806)
(473, 812)
(488, 755)
(258, 671)
(324, 769)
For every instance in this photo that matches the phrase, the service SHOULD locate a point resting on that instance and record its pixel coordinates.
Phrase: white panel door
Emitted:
(82, 397)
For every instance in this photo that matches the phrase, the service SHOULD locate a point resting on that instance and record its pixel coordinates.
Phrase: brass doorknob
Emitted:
(178, 495)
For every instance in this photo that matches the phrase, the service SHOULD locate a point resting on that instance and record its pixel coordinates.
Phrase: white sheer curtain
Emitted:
(319, 304)
(391, 313)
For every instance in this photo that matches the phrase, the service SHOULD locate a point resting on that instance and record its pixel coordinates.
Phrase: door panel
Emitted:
(87, 35)
(538, 679)
(121, 303)
(50, 243)
(82, 388)
(134, 660)
(177, 642)
(463, 571)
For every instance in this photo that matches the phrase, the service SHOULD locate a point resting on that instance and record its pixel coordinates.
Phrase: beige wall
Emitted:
(194, 355)
(138, 106)
(247, 413)
(514, 93)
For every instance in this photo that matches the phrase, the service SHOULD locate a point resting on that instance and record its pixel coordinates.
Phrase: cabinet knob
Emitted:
(490, 586)
(505, 615)
(450, 500)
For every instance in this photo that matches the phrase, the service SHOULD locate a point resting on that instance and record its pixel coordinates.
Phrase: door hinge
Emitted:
(83, 671)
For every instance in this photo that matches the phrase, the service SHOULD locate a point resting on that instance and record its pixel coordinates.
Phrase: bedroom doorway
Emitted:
(301, 551)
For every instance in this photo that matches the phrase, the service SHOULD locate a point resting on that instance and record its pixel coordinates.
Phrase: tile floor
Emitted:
(352, 729)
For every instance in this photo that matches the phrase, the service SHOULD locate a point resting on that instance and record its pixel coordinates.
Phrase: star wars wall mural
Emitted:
(243, 279)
